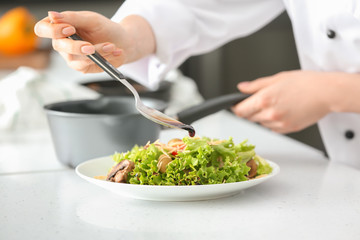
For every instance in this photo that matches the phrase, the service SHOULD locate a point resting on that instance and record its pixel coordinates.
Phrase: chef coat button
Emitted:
(349, 134)
(331, 33)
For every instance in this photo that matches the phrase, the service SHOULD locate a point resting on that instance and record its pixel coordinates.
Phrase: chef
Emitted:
(147, 38)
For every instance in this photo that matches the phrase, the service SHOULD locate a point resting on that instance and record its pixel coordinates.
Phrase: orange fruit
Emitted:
(17, 34)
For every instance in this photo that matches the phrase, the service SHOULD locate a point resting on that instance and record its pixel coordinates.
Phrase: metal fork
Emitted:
(150, 113)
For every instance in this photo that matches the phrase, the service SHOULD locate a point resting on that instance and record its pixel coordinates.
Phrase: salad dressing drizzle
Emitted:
(172, 123)
(190, 130)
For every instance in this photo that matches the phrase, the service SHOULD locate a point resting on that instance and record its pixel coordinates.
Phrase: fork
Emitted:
(148, 112)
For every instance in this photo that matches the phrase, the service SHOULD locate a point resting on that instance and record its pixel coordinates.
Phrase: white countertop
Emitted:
(311, 198)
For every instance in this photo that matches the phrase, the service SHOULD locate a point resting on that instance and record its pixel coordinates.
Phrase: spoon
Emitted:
(150, 113)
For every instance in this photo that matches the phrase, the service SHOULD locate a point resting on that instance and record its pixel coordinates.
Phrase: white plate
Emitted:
(100, 166)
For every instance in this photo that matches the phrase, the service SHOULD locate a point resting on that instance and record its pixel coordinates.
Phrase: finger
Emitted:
(258, 117)
(249, 106)
(256, 85)
(73, 47)
(111, 53)
(281, 126)
(273, 127)
(78, 19)
(262, 118)
(270, 119)
(79, 63)
(84, 48)
(44, 28)
(267, 115)
(108, 48)
(83, 64)
(245, 109)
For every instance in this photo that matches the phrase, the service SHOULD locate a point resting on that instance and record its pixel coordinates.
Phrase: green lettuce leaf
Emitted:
(263, 166)
(203, 161)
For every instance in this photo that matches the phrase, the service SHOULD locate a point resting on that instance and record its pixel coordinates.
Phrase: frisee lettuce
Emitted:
(202, 161)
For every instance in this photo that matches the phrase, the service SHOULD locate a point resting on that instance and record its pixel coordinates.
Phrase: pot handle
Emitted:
(210, 106)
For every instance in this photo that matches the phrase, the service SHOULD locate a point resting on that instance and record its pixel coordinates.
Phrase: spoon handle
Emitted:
(210, 106)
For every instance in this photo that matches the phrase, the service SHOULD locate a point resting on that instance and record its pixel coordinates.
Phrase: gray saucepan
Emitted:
(86, 129)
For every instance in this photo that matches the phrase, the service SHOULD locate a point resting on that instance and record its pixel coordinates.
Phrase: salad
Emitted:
(188, 161)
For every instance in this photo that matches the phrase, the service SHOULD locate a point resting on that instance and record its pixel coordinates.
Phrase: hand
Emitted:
(288, 101)
(117, 42)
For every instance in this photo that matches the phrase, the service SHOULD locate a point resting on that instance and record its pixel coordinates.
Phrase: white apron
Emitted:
(327, 35)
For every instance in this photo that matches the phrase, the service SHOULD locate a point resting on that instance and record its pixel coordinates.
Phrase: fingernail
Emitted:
(88, 49)
(108, 48)
(68, 31)
(55, 14)
(243, 84)
(117, 52)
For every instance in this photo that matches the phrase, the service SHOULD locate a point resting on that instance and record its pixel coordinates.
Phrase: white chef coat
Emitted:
(327, 35)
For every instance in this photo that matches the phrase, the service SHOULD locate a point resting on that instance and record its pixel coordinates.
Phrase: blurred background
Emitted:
(268, 51)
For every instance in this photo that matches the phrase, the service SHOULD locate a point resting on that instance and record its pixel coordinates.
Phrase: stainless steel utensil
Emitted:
(148, 112)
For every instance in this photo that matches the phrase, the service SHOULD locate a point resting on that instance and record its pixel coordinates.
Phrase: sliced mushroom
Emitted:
(163, 161)
(253, 168)
(120, 171)
(120, 177)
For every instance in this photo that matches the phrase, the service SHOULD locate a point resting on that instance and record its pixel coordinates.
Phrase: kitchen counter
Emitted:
(311, 198)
